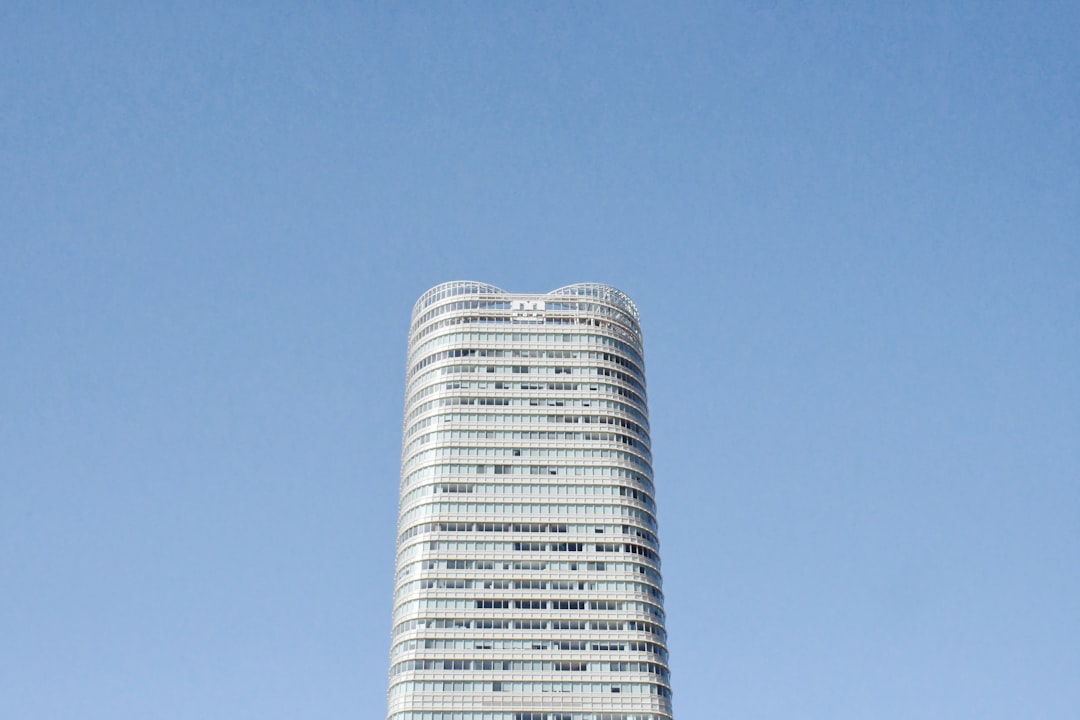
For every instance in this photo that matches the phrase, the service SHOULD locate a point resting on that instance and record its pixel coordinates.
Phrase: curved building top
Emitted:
(598, 291)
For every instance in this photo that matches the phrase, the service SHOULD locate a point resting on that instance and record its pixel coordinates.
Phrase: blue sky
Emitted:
(852, 231)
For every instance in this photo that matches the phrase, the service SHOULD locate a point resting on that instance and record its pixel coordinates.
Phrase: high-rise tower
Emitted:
(528, 569)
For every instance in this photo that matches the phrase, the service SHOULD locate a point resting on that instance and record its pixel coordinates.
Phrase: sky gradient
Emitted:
(853, 233)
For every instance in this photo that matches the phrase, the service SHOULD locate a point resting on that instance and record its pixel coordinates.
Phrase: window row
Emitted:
(555, 566)
(502, 420)
(412, 606)
(516, 715)
(615, 328)
(458, 307)
(518, 584)
(415, 410)
(534, 436)
(539, 603)
(577, 624)
(493, 527)
(650, 668)
(633, 376)
(409, 551)
(518, 508)
(434, 471)
(426, 382)
(491, 397)
(634, 380)
(526, 488)
(505, 547)
(525, 452)
(506, 335)
(534, 644)
(493, 319)
(633, 359)
(408, 687)
(591, 387)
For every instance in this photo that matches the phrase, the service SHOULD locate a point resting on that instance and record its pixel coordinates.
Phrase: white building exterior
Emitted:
(528, 572)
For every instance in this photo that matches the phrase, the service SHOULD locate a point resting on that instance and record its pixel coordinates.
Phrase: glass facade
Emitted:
(528, 581)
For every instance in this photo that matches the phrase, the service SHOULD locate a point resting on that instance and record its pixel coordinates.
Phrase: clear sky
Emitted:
(853, 232)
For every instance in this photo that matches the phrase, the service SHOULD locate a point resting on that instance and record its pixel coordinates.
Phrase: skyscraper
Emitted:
(528, 570)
